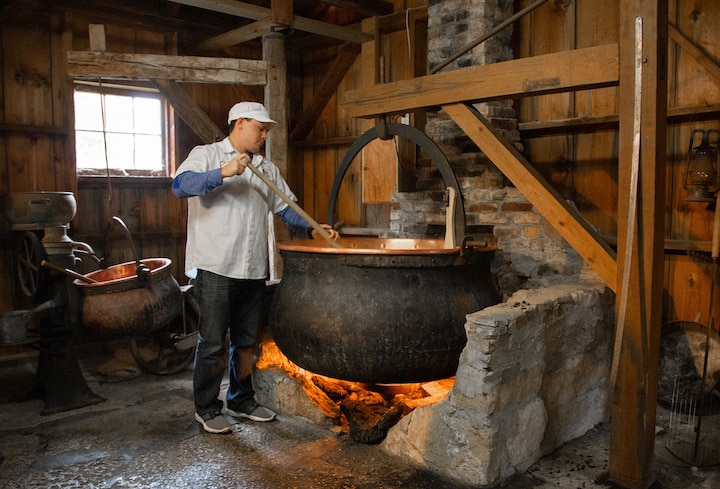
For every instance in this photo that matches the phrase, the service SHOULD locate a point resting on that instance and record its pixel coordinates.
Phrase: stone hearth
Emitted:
(532, 376)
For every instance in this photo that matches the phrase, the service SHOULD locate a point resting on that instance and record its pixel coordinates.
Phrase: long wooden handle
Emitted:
(715, 251)
(315, 225)
(67, 271)
(630, 231)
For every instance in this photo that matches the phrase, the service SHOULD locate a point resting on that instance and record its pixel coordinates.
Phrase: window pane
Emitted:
(148, 151)
(120, 150)
(118, 114)
(148, 116)
(87, 111)
(90, 149)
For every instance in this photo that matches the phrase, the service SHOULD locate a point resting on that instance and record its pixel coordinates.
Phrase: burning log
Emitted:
(370, 425)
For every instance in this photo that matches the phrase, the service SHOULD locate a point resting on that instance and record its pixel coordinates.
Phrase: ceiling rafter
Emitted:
(372, 7)
(254, 12)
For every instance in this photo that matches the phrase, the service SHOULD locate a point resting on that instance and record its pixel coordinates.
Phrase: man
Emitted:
(227, 254)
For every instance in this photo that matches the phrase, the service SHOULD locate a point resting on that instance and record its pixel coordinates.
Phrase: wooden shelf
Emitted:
(676, 115)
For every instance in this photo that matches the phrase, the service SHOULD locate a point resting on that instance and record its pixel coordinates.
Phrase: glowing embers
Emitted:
(366, 411)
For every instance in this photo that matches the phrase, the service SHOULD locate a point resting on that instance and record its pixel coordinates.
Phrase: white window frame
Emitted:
(165, 166)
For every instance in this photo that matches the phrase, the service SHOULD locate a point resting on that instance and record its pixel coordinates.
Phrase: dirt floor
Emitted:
(143, 436)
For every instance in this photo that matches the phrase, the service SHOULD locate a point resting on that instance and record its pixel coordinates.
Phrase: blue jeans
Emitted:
(226, 304)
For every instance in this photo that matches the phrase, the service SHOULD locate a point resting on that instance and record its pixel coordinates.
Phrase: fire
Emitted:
(356, 403)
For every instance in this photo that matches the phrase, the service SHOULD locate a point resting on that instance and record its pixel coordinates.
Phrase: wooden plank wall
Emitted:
(688, 275)
(365, 194)
(592, 156)
(34, 134)
(327, 143)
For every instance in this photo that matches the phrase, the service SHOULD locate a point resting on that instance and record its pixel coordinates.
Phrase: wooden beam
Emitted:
(189, 112)
(387, 24)
(150, 16)
(348, 34)
(702, 56)
(347, 53)
(563, 217)
(558, 72)
(536, 129)
(238, 36)
(230, 7)
(282, 12)
(398, 21)
(676, 115)
(31, 130)
(116, 66)
(372, 7)
(642, 102)
(248, 11)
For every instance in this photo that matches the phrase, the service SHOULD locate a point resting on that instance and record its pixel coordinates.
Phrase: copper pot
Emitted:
(122, 303)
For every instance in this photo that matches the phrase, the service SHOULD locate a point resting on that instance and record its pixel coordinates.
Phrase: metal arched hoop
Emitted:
(386, 131)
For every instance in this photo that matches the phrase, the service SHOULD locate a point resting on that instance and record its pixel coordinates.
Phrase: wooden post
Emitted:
(281, 12)
(640, 275)
(277, 142)
(276, 98)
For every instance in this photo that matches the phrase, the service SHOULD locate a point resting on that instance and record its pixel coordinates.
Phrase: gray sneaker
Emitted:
(251, 410)
(214, 423)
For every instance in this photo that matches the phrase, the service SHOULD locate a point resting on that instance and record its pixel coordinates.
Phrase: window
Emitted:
(131, 138)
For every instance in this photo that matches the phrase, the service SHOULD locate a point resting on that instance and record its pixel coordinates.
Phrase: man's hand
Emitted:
(334, 235)
(236, 166)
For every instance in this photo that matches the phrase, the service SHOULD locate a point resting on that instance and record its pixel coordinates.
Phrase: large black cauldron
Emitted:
(378, 310)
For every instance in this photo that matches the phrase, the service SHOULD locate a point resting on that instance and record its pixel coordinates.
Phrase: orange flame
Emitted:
(328, 393)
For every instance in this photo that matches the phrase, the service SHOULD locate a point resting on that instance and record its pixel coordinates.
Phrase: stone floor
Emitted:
(144, 436)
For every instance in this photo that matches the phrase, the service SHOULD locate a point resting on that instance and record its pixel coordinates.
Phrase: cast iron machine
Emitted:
(138, 300)
(42, 249)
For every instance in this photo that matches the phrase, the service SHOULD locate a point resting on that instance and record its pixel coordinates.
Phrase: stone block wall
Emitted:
(533, 375)
(453, 24)
(531, 253)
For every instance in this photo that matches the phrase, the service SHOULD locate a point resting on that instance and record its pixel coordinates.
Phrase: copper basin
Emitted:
(123, 303)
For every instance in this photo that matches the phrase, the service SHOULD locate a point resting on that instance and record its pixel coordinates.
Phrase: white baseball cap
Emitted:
(249, 110)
